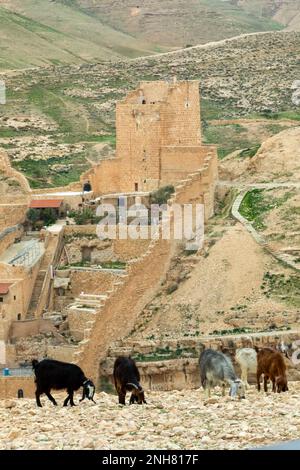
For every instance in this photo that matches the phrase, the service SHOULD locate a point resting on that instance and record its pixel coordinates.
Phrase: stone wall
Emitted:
(17, 300)
(14, 194)
(101, 250)
(9, 387)
(78, 322)
(18, 193)
(178, 374)
(8, 235)
(76, 186)
(64, 353)
(119, 314)
(22, 329)
(183, 373)
(91, 282)
(12, 215)
(122, 307)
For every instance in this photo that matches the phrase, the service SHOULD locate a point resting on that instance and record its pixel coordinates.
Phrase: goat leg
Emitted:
(66, 401)
(71, 395)
(38, 401)
(122, 398)
(258, 375)
(265, 383)
(48, 394)
(83, 395)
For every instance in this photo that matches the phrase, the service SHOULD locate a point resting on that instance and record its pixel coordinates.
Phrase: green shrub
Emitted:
(162, 195)
(172, 288)
(47, 216)
(85, 216)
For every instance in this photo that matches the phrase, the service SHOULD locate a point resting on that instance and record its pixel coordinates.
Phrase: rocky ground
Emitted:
(170, 420)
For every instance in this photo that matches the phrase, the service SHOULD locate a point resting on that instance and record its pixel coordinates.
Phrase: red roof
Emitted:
(44, 203)
(4, 288)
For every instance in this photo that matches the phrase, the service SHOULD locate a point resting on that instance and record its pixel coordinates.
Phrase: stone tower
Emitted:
(158, 131)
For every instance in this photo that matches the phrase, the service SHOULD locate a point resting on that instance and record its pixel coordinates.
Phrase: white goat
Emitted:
(247, 359)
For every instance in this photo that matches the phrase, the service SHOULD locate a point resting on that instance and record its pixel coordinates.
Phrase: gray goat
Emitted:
(217, 369)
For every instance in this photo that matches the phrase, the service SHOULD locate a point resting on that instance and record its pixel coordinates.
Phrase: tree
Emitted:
(33, 215)
(49, 216)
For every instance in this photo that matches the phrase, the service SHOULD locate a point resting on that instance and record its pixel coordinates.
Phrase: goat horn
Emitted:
(133, 385)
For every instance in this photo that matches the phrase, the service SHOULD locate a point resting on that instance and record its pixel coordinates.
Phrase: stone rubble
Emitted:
(170, 420)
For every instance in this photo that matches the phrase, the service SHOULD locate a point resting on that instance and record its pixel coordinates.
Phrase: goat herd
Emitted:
(216, 369)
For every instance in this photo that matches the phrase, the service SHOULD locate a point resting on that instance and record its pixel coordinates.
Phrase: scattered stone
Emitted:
(259, 421)
(9, 404)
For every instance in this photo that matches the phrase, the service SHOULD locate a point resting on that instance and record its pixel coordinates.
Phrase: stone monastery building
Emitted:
(158, 139)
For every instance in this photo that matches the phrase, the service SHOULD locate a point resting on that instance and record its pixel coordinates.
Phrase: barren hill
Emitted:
(178, 22)
(286, 12)
(234, 286)
(277, 160)
(40, 32)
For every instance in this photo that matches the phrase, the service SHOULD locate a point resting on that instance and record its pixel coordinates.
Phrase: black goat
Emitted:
(50, 374)
(127, 379)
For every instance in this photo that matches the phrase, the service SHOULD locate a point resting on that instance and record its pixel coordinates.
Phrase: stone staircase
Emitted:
(35, 297)
(39, 295)
(87, 302)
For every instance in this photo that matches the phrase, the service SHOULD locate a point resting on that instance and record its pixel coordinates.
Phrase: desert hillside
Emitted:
(178, 22)
(286, 12)
(64, 117)
(40, 32)
(43, 32)
(277, 160)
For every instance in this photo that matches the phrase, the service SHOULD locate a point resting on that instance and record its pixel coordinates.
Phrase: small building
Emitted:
(55, 204)
(4, 290)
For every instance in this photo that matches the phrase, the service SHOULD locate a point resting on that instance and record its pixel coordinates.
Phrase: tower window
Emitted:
(136, 186)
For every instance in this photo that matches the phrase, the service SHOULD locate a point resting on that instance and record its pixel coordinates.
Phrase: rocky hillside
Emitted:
(286, 12)
(177, 23)
(57, 115)
(277, 160)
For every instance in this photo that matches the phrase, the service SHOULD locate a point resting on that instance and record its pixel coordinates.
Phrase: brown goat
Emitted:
(271, 363)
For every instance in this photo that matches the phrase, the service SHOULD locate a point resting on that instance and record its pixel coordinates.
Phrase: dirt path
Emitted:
(208, 45)
(236, 184)
(281, 256)
(227, 122)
